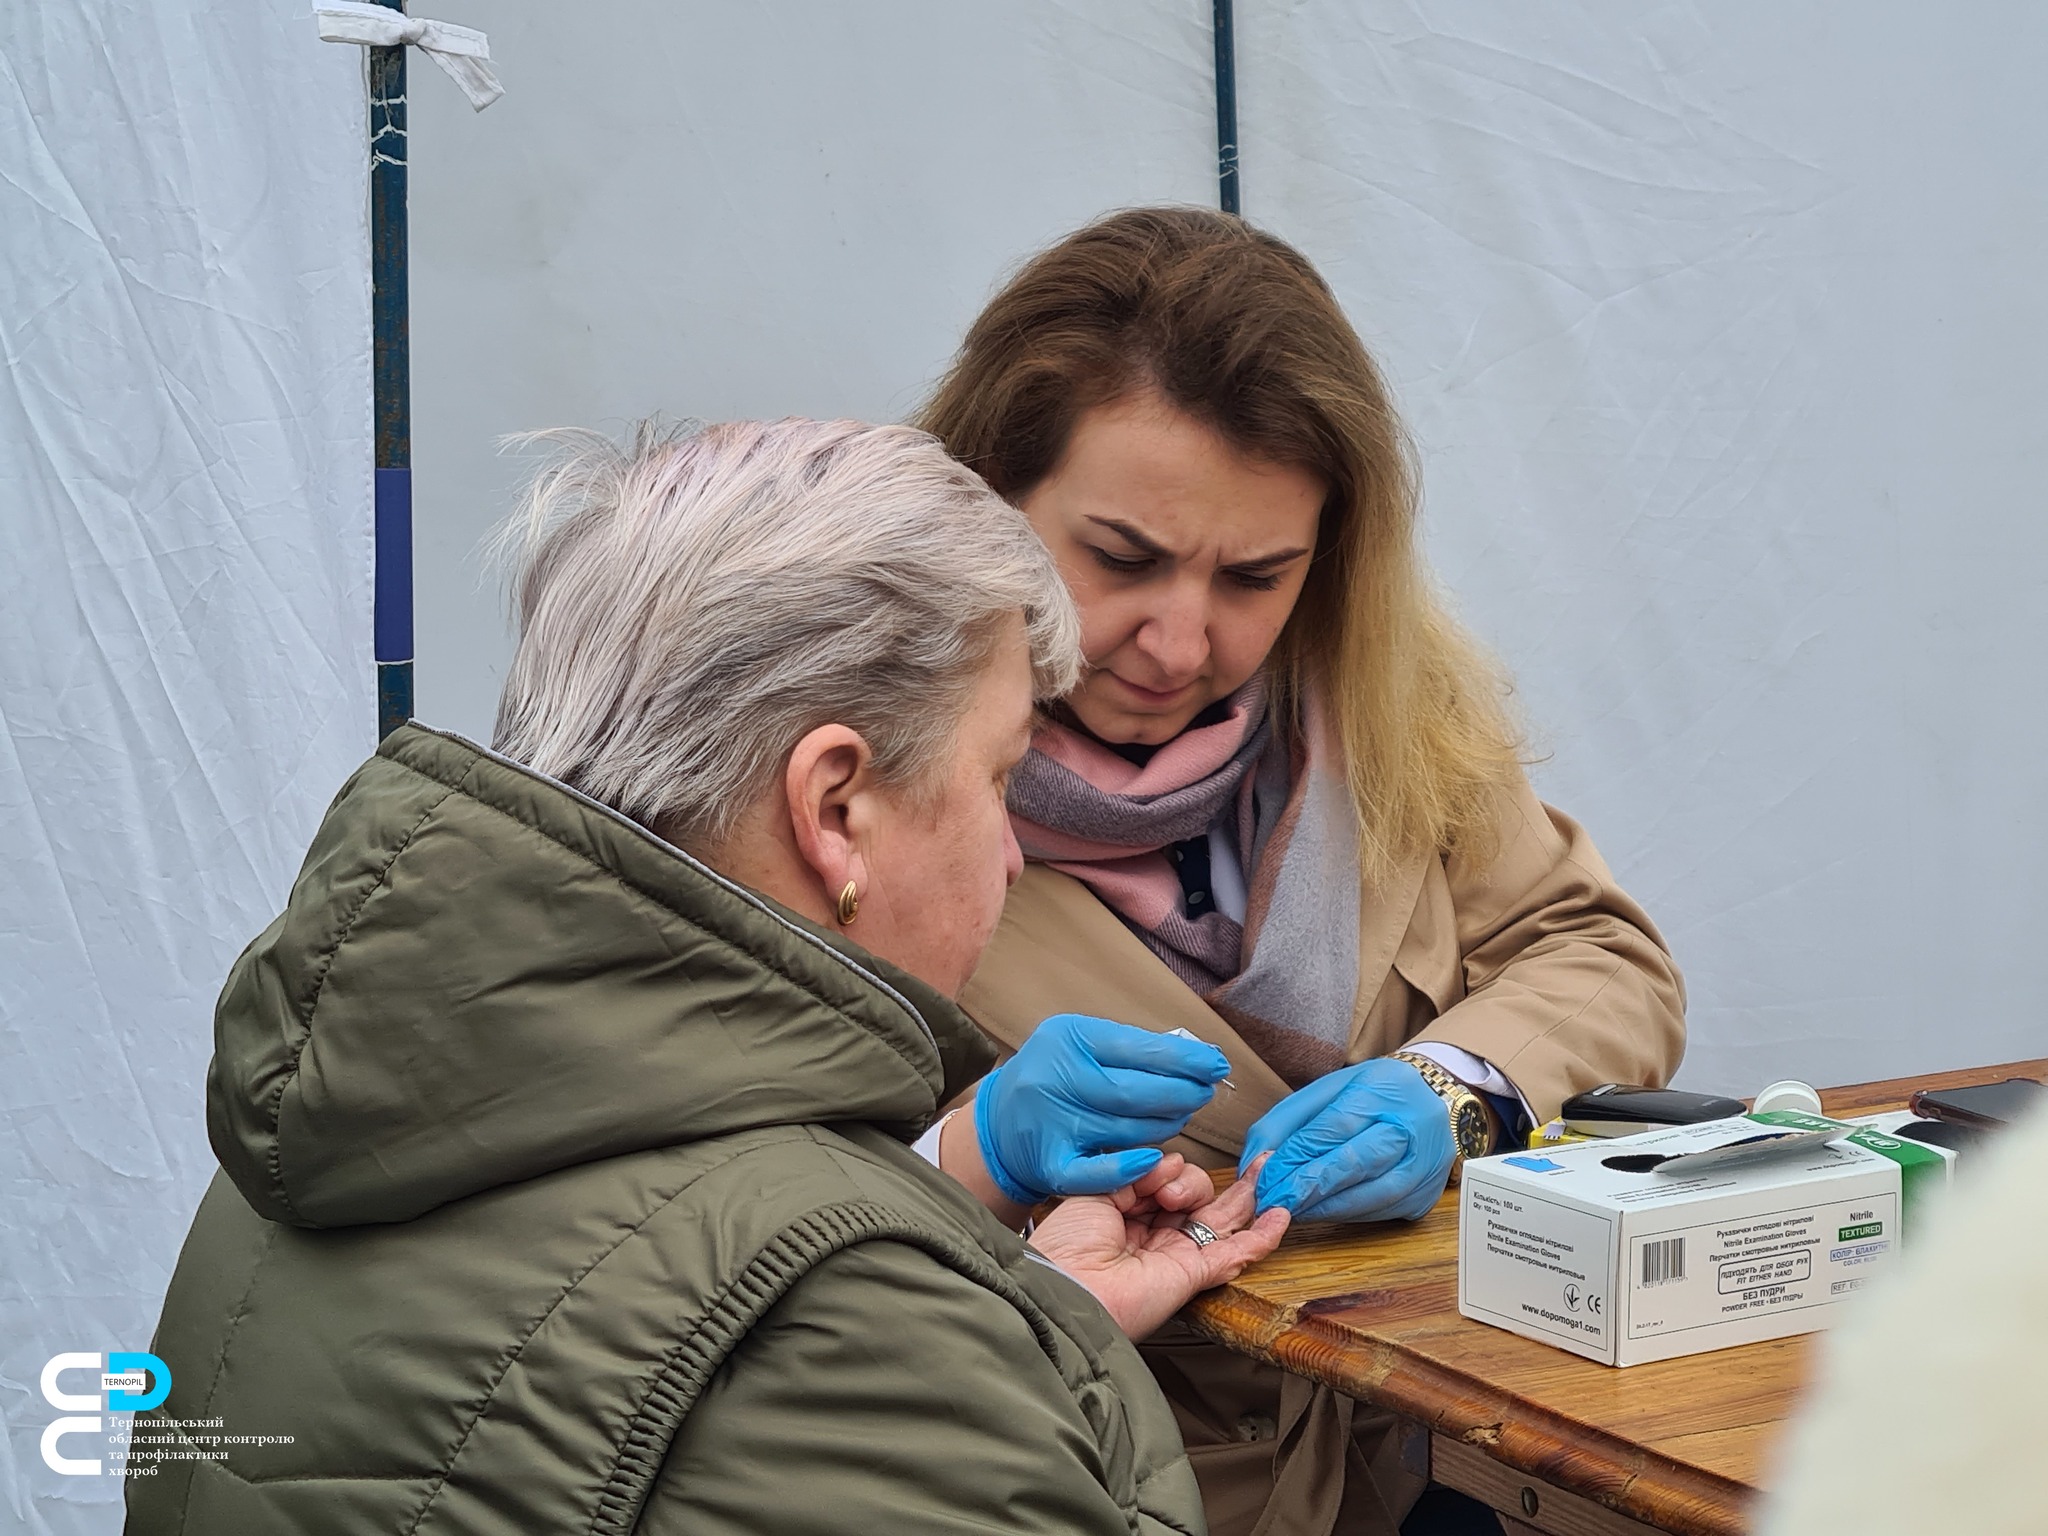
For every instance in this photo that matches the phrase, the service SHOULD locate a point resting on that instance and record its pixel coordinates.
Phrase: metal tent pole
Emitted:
(392, 372)
(1226, 108)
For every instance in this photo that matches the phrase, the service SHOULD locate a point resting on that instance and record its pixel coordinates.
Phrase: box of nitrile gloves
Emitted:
(1686, 1239)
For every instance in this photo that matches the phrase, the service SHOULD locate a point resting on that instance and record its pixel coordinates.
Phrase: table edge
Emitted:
(1670, 1495)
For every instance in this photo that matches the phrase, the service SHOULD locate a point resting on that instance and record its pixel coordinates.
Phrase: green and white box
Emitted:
(1670, 1243)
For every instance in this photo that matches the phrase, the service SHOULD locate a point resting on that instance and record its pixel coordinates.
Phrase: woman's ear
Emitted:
(828, 783)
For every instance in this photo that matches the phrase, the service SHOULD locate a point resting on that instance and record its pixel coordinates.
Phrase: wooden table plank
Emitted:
(1739, 1445)
(1558, 1511)
(1678, 1444)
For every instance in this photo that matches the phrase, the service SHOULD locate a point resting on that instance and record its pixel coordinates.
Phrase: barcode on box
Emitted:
(1664, 1261)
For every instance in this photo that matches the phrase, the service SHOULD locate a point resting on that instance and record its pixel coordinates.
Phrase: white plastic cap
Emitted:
(1790, 1094)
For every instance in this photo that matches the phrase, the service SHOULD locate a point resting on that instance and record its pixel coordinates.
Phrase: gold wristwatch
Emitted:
(1472, 1121)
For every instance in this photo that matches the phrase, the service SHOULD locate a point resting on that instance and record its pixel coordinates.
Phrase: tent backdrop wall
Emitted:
(1719, 333)
(185, 670)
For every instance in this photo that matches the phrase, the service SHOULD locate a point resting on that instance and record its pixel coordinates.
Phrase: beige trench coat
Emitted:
(1538, 962)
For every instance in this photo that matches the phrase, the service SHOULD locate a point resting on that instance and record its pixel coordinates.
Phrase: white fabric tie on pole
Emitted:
(463, 52)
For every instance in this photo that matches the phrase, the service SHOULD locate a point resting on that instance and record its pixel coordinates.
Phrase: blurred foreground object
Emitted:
(1924, 1416)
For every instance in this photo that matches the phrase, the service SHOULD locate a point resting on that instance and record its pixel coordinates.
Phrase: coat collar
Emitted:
(484, 976)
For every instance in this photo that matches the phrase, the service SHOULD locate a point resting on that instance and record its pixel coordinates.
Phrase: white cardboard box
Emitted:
(1625, 1264)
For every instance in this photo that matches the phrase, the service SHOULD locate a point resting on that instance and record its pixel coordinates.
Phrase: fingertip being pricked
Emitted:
(1191, 1189)
(1156, 1179)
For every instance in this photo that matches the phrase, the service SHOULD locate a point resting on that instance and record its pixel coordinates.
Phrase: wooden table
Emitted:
(1567, 1445)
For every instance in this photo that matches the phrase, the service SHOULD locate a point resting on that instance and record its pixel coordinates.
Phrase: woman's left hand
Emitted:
(1131, 1251)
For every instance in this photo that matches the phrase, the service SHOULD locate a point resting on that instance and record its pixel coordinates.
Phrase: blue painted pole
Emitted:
(1226, 108)
(392, 374)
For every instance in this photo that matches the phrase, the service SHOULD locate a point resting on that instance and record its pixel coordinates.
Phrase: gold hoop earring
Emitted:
(849, 905)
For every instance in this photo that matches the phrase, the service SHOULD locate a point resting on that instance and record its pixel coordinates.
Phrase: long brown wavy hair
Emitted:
(1237, 329)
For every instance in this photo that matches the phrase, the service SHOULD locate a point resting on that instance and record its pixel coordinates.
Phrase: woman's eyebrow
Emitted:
(1151, 546)
(1278, 557)
(1141, 542)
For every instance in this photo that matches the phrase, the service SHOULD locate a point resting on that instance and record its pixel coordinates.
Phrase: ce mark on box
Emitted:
(1576, 1300)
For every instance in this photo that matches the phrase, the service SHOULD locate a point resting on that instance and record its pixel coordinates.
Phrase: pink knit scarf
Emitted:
(1287, 976)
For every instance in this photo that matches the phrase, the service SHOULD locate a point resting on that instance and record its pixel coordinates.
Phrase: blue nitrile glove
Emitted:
(1060, 1116)
(1370, 1142)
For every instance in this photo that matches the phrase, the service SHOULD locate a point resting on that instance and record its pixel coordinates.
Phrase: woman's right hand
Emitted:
(1081, 1107)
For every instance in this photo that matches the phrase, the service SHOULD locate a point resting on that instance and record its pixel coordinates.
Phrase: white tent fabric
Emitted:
(1723, 337)
(1720, 333)
(185, 666)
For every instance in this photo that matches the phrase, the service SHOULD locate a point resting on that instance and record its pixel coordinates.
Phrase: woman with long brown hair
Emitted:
(1284, 810)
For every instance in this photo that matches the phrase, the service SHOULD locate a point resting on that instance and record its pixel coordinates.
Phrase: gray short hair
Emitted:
(692, 603)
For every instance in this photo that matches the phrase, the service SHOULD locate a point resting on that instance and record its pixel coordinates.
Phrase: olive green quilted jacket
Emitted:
(565, 1188)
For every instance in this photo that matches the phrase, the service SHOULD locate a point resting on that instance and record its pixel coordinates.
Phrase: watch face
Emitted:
(1469, 1126)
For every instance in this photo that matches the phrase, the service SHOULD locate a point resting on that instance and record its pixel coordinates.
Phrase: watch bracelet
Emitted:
(1451, 1089)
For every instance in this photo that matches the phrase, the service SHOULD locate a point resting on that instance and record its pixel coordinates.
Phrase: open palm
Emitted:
(1131, 1248)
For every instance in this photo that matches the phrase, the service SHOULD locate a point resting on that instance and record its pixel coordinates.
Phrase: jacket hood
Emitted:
(483, 976)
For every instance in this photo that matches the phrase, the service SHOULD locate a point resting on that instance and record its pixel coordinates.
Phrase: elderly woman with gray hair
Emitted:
(566, 1114)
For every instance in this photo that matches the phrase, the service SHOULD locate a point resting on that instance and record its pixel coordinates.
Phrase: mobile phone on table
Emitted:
(1617, 1109)
(1986, 1106)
